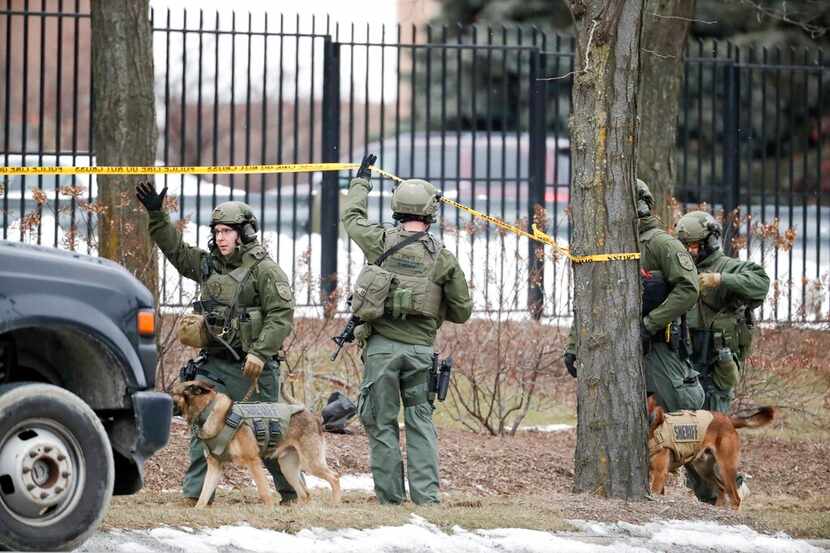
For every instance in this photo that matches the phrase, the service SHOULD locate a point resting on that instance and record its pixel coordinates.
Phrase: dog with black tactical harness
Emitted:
(244, 313)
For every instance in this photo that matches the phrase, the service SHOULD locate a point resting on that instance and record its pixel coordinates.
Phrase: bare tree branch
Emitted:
(815, 31)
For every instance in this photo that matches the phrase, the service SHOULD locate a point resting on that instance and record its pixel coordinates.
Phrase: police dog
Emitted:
(714, 457)
(302, 446)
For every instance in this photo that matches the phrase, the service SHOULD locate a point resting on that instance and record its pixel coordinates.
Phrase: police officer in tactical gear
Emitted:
(425, 286)
(721, 320)
(247, 307)
(670, 288)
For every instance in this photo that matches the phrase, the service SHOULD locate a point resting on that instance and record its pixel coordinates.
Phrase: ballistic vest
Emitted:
(683, 433)
(413, 290)
(224, 315)
(722, 314)
(267, 420)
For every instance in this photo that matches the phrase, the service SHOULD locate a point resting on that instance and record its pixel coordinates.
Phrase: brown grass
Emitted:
(526, 481)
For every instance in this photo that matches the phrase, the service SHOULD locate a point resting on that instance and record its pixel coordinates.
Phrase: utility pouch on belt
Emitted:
(192, 331)
(371, 288)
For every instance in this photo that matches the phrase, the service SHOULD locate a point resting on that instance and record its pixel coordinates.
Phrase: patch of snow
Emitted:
(548, 428)
(352, 482)
(419, 535)
(193, 543)
(133, 547)
(705, 535)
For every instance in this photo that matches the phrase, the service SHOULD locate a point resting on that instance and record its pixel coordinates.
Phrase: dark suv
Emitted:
(78, 416)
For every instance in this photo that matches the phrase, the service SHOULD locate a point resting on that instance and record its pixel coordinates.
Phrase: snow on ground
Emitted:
(548, 428)
(419, 535)
(706, 535)
(348, 482)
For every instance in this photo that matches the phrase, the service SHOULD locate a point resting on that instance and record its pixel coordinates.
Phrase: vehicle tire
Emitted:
(56, 468)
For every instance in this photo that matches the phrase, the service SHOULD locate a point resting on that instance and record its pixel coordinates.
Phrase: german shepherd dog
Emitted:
(302, 446)
(716, 457)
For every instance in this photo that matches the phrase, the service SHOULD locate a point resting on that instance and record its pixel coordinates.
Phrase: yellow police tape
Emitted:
(536, 234)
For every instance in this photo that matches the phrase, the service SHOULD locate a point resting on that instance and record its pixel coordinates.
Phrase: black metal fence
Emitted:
(481, 112)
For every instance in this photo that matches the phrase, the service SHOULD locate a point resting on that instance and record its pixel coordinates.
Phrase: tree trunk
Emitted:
(665, 32)
(125, 130)
(611, 456)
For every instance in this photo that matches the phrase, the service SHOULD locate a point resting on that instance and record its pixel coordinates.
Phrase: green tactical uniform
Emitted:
(668, 375)
(398, 350)
(721, 319)
(260, 324)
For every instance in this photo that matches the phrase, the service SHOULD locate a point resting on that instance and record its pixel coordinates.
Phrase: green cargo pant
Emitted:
(235, 385)
(394, 370)
(673, 380)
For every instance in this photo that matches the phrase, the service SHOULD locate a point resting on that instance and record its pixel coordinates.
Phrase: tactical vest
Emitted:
(267, 420)
(225, 318)
(413, 290)
(683, 433)
(721, 314)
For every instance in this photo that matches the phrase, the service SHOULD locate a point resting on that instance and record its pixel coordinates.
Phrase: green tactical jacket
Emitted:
(660, 251)
(744, 285)
(456, 304)
(267, 287)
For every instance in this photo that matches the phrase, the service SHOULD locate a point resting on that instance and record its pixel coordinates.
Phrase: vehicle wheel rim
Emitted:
(42, 472)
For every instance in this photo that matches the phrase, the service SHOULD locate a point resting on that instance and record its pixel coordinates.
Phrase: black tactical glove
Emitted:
(364, 172)
(570, 363)
(149, 198)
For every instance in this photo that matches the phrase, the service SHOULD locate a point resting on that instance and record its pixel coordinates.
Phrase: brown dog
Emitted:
(301, 447)
(705, 440)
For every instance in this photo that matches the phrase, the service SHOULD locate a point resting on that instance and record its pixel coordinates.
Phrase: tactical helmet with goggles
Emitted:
(700, 227)
(237, 215)
(415, 197)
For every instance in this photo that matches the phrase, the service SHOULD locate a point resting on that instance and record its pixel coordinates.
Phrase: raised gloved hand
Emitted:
(710, 280)
(364, 172)
(253, 367)
(570, 363)
(149, 198)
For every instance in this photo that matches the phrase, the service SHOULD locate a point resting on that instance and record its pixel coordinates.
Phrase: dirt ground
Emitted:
(790, 480)
(527, 480)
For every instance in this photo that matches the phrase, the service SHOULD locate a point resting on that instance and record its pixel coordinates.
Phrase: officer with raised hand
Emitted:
(245, 312)
(670, 288)
(721, 320)
(418, 284)
(670, 376)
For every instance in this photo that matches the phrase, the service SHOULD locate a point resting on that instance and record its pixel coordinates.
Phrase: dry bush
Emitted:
(505, 361)
(502, 369)
(790, 368)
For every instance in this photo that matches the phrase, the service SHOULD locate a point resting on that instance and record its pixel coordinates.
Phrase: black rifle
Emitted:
(346, 336)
